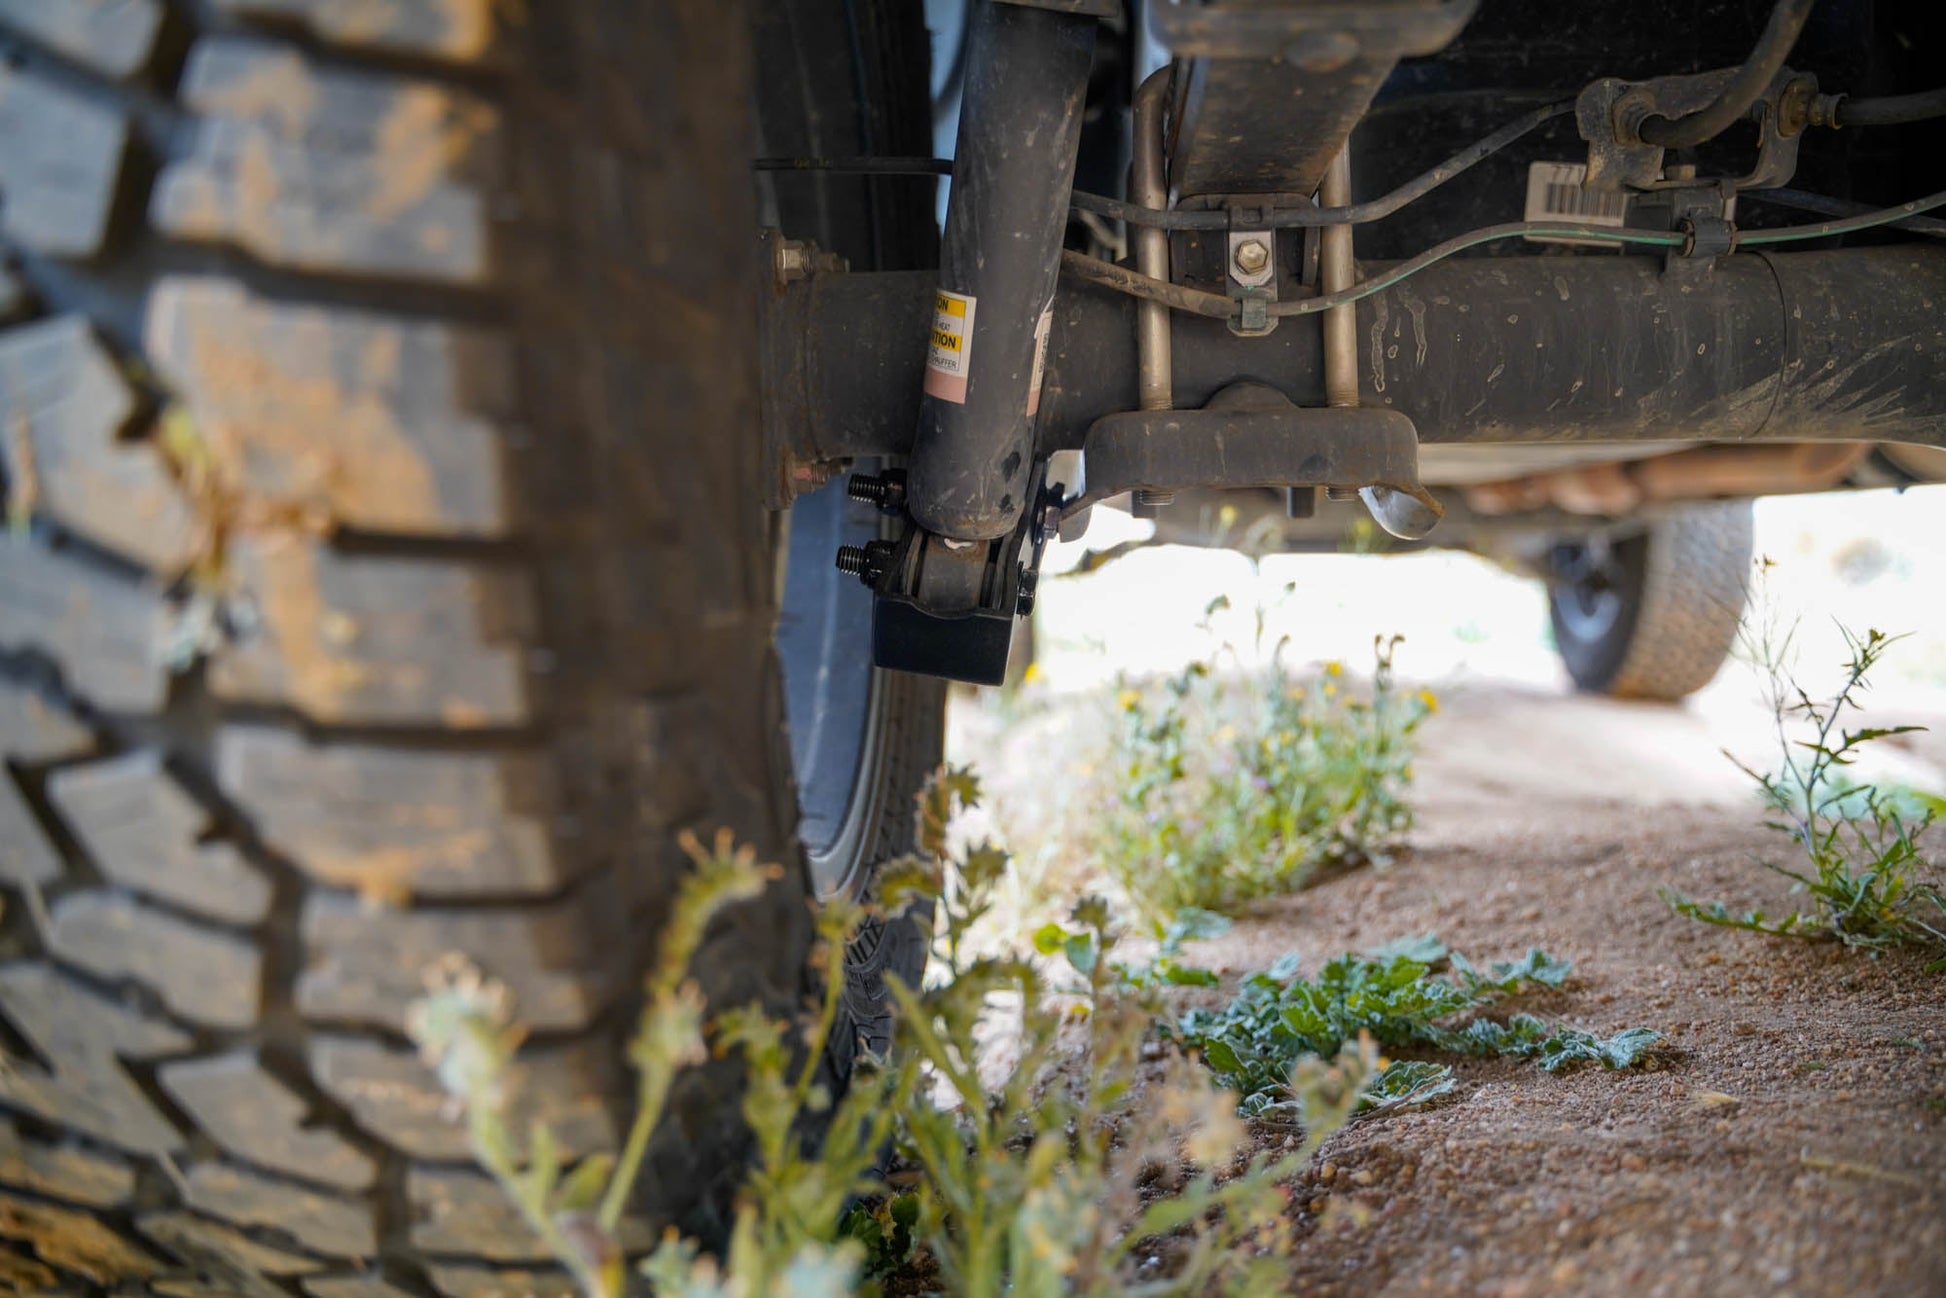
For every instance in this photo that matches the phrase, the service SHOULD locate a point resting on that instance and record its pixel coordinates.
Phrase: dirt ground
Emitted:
(1792, 1139)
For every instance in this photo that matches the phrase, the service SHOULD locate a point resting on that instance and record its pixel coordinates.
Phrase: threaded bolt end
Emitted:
(1153, 499)
(867, 488)
(852, 560)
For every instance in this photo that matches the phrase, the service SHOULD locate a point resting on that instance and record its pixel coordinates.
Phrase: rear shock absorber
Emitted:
(1020, 127)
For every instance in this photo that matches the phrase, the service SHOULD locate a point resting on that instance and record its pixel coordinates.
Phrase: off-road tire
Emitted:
(387, 578)
(1681, 583)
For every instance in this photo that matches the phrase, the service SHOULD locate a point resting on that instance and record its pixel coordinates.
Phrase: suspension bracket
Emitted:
(942, 607)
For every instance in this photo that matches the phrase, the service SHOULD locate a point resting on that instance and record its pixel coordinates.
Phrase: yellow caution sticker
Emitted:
(950, 356)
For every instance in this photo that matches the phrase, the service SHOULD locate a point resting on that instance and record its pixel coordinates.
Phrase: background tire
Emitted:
(388, 579)
(1654, 614)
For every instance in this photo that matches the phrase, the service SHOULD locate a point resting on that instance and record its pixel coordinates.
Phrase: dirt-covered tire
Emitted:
(1653, 614)
(387, 578)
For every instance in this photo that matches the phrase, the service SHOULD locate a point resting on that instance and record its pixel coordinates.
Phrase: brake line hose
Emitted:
(1216, 306)
(1735, 99)
(1219, 307)
(1893, 110)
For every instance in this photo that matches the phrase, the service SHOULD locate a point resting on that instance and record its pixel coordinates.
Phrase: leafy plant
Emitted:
(1223, 798)
(883, 1225)
(1394, 996)
(1166, 968)
(1032, 1181)
(1868, 882)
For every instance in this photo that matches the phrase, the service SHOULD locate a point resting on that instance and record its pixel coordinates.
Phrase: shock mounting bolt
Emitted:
(866, 562)
(885, 491)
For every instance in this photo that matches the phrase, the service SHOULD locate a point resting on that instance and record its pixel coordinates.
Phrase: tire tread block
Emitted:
(105, 631)
(60, 154)
(21, 1273)
(62, 405)
(362, 639)
(459, 31)
(254, 1117)
(83, 1037)
(323, 1223)
(328, 415)
(14, 297)
(328, 170)
(67, 1172)
(141, 829)
(35, 730)
(467, 1214)
(76, 1242)
(219, 1248)
(393, 1095)
(395, 824)
(493, 1282)
(352, 1286)
(113, 37)
(202, 975)
(26, 855)
(563, 961)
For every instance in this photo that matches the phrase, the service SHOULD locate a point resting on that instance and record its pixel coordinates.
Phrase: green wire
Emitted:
(1829, 229)
(1439, 252)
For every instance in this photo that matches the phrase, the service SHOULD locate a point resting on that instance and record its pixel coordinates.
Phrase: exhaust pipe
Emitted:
(1699, 474)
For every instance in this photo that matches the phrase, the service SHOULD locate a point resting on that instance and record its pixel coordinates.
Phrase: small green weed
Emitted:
(883, 1225)
(1221, 798)
(1868, 883)
(1395, 996)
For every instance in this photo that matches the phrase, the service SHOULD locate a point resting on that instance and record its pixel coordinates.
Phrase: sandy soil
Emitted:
(1792, 1139)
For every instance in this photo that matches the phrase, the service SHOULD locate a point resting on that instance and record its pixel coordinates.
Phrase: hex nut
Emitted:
(1251, 256)
(792, 259)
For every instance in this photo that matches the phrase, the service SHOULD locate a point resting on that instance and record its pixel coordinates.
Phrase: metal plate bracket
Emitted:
(1250, 270)
(943, 608)
(1610, 113)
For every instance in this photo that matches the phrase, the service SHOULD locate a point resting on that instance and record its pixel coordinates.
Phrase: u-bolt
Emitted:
(1149, 187)
(1405, 517)
(1335, 273)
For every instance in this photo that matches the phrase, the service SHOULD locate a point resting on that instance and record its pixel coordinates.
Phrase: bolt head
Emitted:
(791, 259)
(1251, 256)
